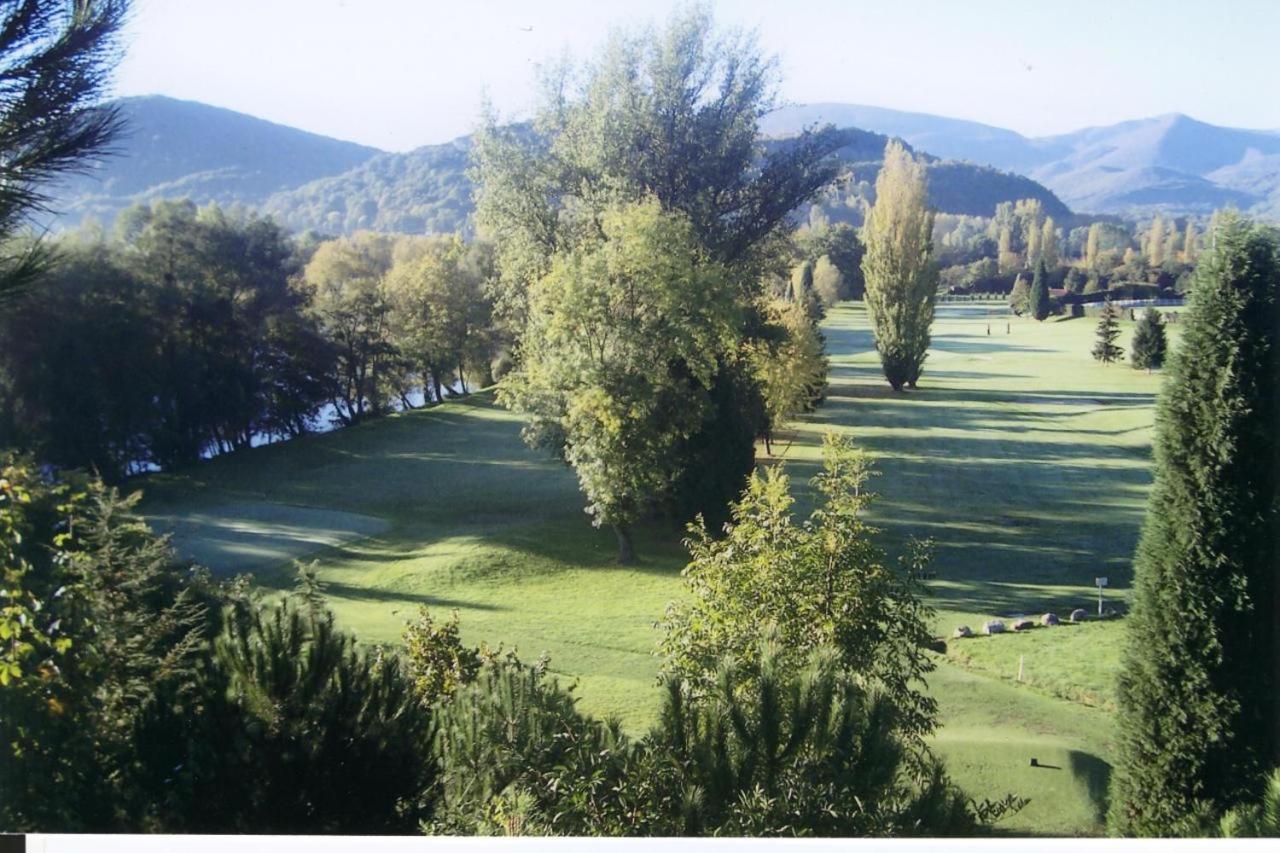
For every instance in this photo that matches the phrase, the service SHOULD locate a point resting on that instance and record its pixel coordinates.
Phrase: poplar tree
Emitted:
(1155, 242)
(1105, 349)
(1034, 234)
(1199, 689)
(1189, 242)
(1038, 301)
(898, 266)
(1005, 255)
(1091, 246)
(1049, 243)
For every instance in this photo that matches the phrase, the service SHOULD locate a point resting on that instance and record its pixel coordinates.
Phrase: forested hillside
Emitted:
(425, 191)
(182, 149)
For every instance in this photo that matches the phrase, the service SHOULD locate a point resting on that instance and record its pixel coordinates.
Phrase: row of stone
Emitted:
(996, 626)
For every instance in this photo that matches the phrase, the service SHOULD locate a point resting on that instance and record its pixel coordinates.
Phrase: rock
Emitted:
(1049, 619)
(938, 645)
(1078, 615)
(993, 626)
(962, 631)
(1024, 625)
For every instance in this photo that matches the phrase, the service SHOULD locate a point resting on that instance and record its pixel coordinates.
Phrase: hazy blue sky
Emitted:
(402, 73)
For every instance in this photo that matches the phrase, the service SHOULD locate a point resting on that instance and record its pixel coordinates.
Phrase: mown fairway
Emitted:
(1026, 462)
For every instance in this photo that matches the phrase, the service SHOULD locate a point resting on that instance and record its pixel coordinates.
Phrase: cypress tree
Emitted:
(1039, 298)
(1105, 349)
(898, 267)
(1149, 342)
(1199, 692)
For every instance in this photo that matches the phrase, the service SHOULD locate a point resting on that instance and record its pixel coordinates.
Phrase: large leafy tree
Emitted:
(670, 115)
(346, 280)
(55, 60)
(901, 278)
(1199, 723)
(619, 356)
(440, 312)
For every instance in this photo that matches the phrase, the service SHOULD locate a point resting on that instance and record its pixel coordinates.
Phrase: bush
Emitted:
(775, 751)
(289, 727)
(97, 621)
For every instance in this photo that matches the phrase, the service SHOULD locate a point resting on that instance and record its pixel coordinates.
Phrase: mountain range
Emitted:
(175, 148)
(1171, 163)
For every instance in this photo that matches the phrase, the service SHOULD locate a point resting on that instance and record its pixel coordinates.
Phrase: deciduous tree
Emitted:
(619, 357)
(901, 277)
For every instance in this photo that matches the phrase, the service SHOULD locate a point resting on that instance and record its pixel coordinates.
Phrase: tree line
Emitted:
(187, 333)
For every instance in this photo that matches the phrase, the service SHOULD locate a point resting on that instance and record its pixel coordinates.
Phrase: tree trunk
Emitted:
(626, 550)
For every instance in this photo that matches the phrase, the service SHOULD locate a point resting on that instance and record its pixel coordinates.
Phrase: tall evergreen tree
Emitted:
(1149, 342)
(1039, 299)
(1199, 692)
(1105, 348)
(898, 267)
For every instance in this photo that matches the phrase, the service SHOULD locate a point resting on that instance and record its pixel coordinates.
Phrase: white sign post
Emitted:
(1100, 583)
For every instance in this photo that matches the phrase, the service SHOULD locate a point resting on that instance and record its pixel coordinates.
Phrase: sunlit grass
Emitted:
(1022, 458)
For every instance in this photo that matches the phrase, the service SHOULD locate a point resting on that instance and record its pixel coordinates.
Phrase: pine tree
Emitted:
(1038, 300)
(1020, 296)
(1149, 342)
(1105, 349)
(898, 266)
(56, 59)
(1199, 690)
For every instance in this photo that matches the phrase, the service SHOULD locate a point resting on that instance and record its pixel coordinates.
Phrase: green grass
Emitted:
(1023, 459)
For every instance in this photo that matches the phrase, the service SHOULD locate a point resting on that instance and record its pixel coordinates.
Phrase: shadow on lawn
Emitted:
(1095, 775)
(1013, 504)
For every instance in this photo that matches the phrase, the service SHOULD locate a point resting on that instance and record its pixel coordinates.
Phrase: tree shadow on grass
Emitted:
(1095, 775)
(335, 589)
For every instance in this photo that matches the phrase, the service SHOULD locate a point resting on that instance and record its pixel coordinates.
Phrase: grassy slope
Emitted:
(1021, 457)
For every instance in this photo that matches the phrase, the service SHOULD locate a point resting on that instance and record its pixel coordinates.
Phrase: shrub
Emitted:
(289, 727)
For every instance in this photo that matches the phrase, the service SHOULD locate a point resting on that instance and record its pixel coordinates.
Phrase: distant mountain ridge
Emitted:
(185, 149)
(1171, 162)
(174, 148)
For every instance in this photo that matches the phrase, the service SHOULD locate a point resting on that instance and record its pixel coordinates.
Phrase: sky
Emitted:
(397, 74)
